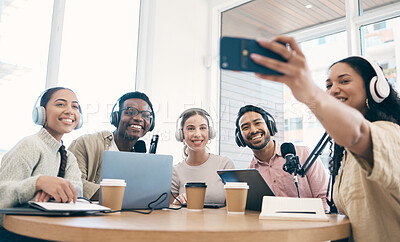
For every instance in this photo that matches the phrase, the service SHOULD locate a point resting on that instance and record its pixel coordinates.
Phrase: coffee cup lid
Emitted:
(195, 184)
(113, 182)
(239, 185)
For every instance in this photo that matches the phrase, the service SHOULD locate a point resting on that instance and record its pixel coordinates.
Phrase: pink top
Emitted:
(314, 184)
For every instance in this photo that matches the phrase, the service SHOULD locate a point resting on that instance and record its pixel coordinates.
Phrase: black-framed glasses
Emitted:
(131, 111)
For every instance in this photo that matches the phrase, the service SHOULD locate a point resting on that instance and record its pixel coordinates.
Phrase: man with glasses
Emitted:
(134, 118)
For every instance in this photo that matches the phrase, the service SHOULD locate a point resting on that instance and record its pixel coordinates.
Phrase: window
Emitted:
(24, 42)
(98, 57)
(370, 5)
(98, 60)
(380, 45)
(293, 124)
(334, 48)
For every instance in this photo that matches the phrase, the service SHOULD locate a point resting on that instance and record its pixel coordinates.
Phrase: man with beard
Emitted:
(254, 128)
(133, 120)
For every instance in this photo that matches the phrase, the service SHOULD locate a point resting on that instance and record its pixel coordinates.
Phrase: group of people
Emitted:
(359, 110)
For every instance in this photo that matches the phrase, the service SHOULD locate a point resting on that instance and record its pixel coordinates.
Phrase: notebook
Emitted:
(147, 177)
(258, 187)
(54, 209)
(79, 206)
(32, 211)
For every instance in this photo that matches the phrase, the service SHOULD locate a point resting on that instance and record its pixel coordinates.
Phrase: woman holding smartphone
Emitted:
(38, 167)
(195, 130)
(360, 112)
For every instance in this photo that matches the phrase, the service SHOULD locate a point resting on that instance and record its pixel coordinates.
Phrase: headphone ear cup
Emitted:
(152, 124)
(114, 118)
(379, 89)
(80, 122)
(272, 127)
(239, 139)
(39, 115)
(211, 133)
(179, 135)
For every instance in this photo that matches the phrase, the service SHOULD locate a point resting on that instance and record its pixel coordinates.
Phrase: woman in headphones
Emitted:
(38, 167)
(360, 111)
(195, 130)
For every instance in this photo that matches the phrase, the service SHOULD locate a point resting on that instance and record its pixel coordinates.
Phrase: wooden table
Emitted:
(177, 225)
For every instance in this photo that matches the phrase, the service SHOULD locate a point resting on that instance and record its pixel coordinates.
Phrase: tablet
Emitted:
(258, 187)
(209, 205)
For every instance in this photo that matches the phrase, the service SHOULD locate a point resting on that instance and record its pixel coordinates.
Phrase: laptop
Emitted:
(258, 187)
(147, 176)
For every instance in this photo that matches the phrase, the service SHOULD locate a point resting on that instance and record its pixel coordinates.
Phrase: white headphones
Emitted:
(179, 132)
(39, 113)
(378, 86)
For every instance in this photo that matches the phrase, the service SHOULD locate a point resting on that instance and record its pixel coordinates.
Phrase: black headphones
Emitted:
(116, 115)
(269, 120)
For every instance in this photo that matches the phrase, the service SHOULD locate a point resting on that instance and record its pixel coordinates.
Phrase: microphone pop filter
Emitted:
(288, 148)
(140, 146)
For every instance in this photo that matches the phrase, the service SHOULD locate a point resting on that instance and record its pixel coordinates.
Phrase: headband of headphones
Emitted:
(268, 118)
(179, 129)
(39, 112)
(116, 114)
(378, 87)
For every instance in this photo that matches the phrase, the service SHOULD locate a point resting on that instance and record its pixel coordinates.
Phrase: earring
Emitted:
(366, 103)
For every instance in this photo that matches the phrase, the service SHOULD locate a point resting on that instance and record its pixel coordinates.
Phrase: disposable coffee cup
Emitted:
(236, 197)
(112, 193)
(195, 194)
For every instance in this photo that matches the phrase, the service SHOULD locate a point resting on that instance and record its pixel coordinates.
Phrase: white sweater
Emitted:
(30, 158)
(206, 172)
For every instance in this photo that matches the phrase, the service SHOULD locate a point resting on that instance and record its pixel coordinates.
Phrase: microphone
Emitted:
(153, 144)
(140, 147)
(292, 165)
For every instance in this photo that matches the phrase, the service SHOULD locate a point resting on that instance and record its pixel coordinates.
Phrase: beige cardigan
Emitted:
(88, 150)
(370, 197)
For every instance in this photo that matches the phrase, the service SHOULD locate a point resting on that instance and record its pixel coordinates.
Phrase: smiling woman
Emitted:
(361, 115)
(346, 85)
(195, 130)
(38, 167)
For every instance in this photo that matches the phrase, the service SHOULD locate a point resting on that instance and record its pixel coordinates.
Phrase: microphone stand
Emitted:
(292, 166)
(312, 158)
(314, 154)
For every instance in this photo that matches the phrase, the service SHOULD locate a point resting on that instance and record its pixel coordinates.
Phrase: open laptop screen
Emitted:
(147, 177)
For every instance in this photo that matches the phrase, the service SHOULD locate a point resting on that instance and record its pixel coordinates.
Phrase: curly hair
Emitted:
(387, 110)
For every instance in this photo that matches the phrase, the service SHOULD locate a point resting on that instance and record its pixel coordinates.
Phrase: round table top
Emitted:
(177, 225)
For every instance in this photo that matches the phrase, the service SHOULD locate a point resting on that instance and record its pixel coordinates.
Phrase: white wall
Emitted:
(172, 70)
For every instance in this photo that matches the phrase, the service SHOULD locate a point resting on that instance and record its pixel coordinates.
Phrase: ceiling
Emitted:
(268, 18)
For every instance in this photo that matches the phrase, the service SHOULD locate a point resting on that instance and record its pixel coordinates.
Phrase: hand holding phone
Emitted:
(235, 55)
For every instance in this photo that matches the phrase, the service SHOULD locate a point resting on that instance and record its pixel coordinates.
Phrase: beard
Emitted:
(127, 136)
(259, 146)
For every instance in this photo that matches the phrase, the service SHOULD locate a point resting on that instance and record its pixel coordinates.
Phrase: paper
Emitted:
(78, 206)
(290, 208)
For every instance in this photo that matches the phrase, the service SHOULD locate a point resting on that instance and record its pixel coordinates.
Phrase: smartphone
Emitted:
(235, 55)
